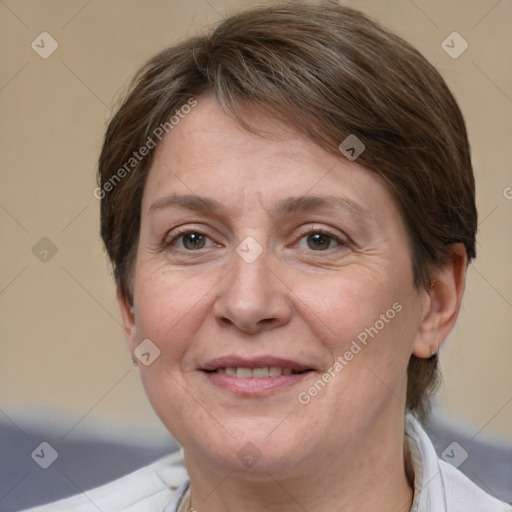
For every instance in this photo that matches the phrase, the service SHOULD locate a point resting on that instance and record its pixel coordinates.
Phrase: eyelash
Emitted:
(181, 232)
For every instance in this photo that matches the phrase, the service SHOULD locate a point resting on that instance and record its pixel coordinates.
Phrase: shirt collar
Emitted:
(179, 497)
(429, 489)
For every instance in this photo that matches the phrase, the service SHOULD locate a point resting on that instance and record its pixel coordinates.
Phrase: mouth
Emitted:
(255, 376)
(256, 373)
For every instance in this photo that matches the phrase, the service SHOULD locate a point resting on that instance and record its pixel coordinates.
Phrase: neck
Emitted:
(364, 476)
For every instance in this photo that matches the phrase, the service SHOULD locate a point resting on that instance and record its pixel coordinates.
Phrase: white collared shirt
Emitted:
(163, 485)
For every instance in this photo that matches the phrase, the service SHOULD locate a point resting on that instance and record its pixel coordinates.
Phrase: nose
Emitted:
(252, 298)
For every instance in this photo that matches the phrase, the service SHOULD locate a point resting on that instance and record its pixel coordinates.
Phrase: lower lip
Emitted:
(254, 386)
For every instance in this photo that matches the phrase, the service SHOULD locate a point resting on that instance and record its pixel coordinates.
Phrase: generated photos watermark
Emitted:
(357, 345)
(137, 156)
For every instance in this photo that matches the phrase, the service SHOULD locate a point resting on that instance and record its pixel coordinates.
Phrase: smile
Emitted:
(256, 373)
(254, 376)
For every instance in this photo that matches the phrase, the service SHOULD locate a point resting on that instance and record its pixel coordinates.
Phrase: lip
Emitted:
(253, 387)
(253, 362)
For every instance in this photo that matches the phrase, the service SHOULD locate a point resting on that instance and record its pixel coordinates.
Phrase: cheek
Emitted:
(169, 307)
(367, 321)
(346, 306)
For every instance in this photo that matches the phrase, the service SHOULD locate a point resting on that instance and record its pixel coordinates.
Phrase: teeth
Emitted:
(256, 373)
(231, 372)
(243, 373)
(259, 373)
(275, 371)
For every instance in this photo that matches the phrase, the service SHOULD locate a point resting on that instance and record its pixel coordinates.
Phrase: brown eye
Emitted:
(193, 241)
(319, 241)
(190, 241)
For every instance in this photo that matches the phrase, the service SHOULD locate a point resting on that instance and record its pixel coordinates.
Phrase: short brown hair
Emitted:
(331, 72)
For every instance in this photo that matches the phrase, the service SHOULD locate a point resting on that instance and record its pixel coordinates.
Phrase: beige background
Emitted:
(62, 353)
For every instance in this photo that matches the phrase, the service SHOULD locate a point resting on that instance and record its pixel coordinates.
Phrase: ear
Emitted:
(442, 303)
(128, 319)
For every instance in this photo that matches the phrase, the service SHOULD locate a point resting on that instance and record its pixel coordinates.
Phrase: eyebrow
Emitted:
(288, 205)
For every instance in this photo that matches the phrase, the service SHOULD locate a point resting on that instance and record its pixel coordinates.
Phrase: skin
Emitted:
(293, 301)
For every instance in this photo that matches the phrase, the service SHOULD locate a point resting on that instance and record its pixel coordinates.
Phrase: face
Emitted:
(275, 281)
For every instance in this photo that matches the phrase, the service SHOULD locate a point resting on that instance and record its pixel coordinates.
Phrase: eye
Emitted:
(319, 241)
(190, 241)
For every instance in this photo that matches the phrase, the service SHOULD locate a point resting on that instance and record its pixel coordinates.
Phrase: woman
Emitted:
(288, 204)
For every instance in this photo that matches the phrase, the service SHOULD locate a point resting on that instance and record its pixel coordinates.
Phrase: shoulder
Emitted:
(462, 495)
(440, 486)
(146, 490)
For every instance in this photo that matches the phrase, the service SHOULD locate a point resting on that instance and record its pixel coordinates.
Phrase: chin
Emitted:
(254, 463)
(253, 448)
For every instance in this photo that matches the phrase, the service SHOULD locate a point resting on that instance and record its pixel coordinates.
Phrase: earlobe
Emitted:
(442, 304)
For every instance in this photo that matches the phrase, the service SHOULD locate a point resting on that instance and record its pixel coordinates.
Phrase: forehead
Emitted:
(209, 134)
(210, 154)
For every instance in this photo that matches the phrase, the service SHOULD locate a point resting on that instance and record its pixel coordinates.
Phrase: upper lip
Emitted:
(252, 362)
